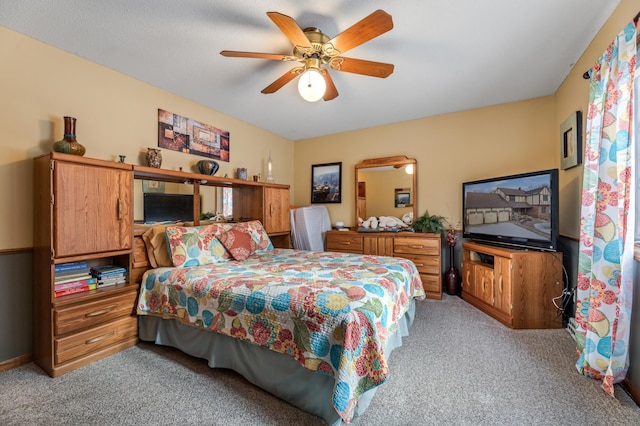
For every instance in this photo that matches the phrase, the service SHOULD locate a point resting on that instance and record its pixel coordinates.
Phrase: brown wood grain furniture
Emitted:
(266, 202)
(83, 211)
(516, 287)
(425, 250)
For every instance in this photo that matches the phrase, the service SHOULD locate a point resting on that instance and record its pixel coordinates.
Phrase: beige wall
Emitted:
(449, 149)
(511, 138)
(115, 115)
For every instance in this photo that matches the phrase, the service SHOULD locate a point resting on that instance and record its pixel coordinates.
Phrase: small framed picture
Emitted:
(571, 141)
(152, 186)
(403, 197)
(326, 183)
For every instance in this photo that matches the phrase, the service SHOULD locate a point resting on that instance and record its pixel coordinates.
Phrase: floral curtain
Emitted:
(605, 268)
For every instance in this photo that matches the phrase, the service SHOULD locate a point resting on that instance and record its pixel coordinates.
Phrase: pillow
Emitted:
(195, 246)
(156, 244)
(258, 234)
(239, 243)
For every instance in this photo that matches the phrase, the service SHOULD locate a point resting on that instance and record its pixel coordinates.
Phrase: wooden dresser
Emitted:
(422, 249)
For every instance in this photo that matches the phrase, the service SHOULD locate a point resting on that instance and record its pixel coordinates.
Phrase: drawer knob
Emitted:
(416, 246)
(346, 243)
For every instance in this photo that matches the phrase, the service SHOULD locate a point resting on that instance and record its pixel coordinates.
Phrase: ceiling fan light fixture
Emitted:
(311, 85)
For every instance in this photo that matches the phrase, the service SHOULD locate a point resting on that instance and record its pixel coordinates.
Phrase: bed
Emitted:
(313, 328)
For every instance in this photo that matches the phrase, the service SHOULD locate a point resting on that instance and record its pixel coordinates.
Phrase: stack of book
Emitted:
(72, 277)
(107, 275)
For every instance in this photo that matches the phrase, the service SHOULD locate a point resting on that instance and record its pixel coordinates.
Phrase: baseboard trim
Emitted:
(631, 390)
(15, 362)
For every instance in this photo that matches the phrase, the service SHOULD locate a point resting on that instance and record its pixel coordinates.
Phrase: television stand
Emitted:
(517, 289)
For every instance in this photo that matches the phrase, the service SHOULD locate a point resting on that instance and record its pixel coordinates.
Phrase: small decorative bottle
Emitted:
(68, 144)
(154, 157)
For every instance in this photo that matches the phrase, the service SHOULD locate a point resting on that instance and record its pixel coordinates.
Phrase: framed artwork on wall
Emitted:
(326, 183)
(189, 136)
(571, 141)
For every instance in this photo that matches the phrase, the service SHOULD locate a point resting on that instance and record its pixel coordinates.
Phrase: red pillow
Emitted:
(238, 242)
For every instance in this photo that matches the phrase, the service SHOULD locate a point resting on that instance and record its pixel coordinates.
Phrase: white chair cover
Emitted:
(308, 227)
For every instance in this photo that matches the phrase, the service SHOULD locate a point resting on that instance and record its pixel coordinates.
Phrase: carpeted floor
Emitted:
(458, 367)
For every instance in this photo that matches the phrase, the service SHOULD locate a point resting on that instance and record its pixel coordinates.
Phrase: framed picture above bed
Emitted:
(326, 183)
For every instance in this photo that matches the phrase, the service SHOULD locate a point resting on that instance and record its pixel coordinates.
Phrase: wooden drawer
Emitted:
(94, 339)
(92, 313)
(425, 246)
(430, 283)
(351, 243)
(425, 264)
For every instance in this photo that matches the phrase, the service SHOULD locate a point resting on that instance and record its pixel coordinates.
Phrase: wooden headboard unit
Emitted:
(140, 262)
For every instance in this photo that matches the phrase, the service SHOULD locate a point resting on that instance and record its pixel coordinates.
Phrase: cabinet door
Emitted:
(377, 246)
(92, 209)
(484, 282)
(276, 215)
(502, 290)
(469, 278)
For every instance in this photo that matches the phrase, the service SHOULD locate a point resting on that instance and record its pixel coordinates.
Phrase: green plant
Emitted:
(429, 223)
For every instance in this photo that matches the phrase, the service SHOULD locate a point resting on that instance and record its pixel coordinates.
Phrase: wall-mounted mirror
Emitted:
(157, 201)
(386, 187)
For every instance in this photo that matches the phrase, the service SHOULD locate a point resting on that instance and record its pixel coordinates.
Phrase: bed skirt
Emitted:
(274, 372)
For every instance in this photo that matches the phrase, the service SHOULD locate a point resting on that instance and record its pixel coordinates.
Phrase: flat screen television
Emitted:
(167, 207)
(519, 210)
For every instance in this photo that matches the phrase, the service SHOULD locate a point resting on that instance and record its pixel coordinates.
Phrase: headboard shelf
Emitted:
(179, 176)
(267, 202)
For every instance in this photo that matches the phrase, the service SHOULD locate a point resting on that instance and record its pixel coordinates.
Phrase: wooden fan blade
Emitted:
(379, 22)
(290, 28)
(284, 79)
(330, 92)
(360, 66)
(274, 56)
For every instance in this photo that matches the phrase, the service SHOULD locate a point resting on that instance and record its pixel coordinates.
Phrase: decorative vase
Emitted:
(208, 167)
(154, 157)
(451, 277)
(68, 144)
(241, 173)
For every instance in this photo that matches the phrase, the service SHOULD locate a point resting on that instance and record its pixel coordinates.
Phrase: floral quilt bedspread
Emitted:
(332, 312)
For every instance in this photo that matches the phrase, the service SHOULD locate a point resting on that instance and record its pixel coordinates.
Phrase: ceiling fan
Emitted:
(314, 50)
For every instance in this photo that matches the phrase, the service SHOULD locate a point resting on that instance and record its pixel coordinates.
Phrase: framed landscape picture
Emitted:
(326, 183)
(403, 197)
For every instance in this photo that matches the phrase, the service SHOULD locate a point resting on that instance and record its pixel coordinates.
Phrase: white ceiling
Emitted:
(449, 55)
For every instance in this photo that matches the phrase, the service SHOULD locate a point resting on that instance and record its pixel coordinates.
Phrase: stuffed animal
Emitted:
(382, 222)
(391, 222)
